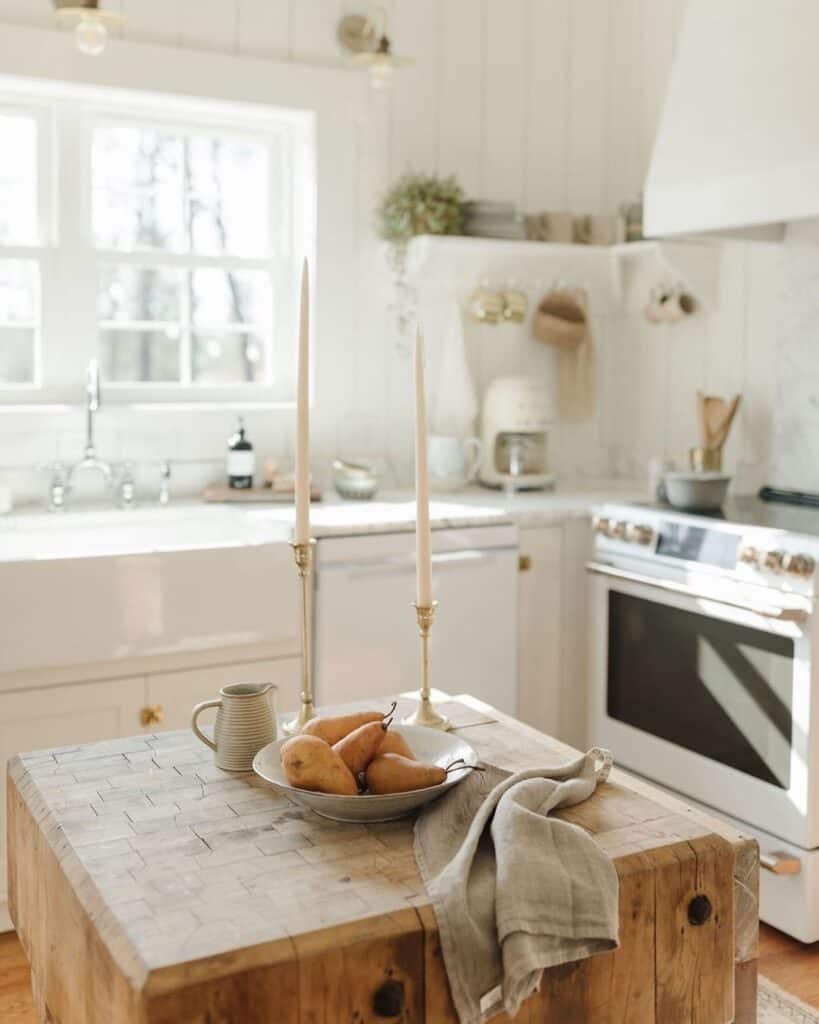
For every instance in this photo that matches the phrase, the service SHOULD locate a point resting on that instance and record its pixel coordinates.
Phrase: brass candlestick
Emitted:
(303, 555)
(425, 713)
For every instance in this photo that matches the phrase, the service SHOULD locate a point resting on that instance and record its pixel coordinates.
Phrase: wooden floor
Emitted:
(790, 964)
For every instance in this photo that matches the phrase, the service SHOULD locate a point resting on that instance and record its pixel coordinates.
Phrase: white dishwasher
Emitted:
(366, 636)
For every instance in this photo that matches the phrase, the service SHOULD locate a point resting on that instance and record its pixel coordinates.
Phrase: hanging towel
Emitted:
(514, 890)
(456, 402)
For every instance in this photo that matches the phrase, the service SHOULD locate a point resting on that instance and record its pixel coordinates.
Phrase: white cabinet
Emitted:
(62, 716)
(553, 634)
(172, 695)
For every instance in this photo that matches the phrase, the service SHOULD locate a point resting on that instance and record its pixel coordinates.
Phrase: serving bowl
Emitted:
(697, 492)
(428, 745)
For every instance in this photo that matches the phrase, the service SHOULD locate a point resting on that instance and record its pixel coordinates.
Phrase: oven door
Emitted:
(710, 696)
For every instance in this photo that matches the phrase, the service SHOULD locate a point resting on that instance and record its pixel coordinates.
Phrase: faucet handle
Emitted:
(58, 488)
(164, 482)
(127, 486)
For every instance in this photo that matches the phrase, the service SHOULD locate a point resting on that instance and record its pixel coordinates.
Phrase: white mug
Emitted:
(453, 461)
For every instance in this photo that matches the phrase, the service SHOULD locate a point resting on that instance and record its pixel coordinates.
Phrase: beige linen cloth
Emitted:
(515, 891)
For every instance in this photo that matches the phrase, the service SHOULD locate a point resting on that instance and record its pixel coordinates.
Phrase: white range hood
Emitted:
(738, 142)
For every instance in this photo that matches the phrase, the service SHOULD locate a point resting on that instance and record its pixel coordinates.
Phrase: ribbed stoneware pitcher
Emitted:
(245, 722)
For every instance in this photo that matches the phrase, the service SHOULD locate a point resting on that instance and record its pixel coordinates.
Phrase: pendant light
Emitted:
(370, 48)
(91, 25)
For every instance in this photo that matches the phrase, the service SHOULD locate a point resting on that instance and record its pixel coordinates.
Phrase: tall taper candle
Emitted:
(423, 553)
(302, 532)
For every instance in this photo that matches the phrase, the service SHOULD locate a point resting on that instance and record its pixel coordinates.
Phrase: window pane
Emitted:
(130, 221)
(228, 196)
(129, 157)
(136, 357)
(228, 359)
(139, 293)
(18, 180)
(18, 292)
(16, 355)
(221, 297)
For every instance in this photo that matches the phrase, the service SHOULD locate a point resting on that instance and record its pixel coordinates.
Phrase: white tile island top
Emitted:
(149, 887)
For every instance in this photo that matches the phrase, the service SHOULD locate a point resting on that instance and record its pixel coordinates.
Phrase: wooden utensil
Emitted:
(715, 417)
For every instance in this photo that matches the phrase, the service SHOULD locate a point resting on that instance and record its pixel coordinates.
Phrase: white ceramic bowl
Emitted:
(697, 492)
(428, 745)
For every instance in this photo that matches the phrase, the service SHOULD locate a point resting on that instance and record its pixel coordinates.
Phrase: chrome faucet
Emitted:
(62, 480)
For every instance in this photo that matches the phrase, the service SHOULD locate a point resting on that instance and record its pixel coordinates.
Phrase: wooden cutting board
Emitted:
(253, 495)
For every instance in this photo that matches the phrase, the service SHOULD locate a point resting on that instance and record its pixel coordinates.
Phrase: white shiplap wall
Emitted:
(551, 103)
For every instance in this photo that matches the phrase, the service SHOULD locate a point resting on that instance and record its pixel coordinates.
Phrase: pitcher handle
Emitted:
(197, 711)
(474, 445)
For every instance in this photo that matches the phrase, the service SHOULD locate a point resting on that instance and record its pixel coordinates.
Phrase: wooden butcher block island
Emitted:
(149, 887)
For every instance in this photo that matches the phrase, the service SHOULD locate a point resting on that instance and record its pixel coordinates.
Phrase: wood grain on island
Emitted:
(149, 887)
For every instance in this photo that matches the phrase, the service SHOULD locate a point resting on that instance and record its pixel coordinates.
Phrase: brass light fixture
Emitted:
(91, 25)
(369, 47)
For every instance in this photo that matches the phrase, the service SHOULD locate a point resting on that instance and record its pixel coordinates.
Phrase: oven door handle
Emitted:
(767, 611)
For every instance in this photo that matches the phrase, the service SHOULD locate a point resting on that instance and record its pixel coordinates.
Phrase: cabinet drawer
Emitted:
(171, 696)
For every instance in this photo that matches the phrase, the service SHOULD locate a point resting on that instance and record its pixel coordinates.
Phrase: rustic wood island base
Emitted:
(149, 887)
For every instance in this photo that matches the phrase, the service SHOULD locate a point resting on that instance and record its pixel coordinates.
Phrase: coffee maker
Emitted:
(517, 412)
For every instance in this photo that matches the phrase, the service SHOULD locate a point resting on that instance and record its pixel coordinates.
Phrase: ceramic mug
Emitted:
(245, 722)
(453, 461)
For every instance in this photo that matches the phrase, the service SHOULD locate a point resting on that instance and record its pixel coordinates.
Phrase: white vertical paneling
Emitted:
(209, 24)
(28, 12)
(657, 51)
(313, 25)
(505, 90)
(264, 28)
(546, 122)
(460, 100)
(154, 21)
(414, 32)
(686, 348)
(626, 170)
(588, 105)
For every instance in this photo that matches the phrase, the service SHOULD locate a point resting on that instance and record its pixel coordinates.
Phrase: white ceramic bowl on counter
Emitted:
(428, 745)
(697, 492)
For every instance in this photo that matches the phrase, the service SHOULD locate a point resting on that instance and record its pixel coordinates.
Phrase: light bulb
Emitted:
(91, 36)
(381, 73)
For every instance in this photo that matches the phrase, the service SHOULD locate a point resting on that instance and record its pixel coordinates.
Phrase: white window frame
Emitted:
(69, 259)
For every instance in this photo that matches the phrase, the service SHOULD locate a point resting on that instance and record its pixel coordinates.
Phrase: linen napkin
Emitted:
(515, 891)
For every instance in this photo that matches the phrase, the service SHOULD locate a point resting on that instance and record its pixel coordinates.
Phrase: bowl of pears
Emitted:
(361, 767)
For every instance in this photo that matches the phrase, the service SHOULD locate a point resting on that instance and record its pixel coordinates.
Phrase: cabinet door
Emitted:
(541, 632)
(172, 695)
(66, 715)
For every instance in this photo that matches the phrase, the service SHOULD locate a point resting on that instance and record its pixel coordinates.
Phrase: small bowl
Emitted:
(428, 745)
(354, 481)
(697, 492)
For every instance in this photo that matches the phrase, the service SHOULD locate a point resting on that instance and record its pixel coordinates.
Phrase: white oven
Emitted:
(703, 680)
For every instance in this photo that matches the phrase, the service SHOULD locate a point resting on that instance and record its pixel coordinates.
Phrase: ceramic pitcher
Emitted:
(245, 722)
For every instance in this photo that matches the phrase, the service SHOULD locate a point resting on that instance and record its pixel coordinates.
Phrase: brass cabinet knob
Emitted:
(153, 714)
(524, 563)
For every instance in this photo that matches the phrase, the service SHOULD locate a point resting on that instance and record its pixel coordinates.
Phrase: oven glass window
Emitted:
(718, 689)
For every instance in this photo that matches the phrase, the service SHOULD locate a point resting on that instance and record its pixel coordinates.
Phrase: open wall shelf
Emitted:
(614, 275)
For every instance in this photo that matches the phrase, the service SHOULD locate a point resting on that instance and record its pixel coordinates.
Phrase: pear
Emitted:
(392, 773)
(361, 745)
(394, 743)
(310, 763)
(334, 729)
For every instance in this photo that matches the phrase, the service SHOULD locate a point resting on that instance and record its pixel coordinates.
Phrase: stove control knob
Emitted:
(749, 555)
(798, 565)
(617, 530)
(601, 525)
(637, 533)
(773, 561)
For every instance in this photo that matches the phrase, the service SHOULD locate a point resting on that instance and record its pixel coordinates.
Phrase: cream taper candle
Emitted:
(302, 482)
(423, 550)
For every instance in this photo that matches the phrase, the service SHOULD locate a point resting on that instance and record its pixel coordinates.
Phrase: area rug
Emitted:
(776, 1006)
